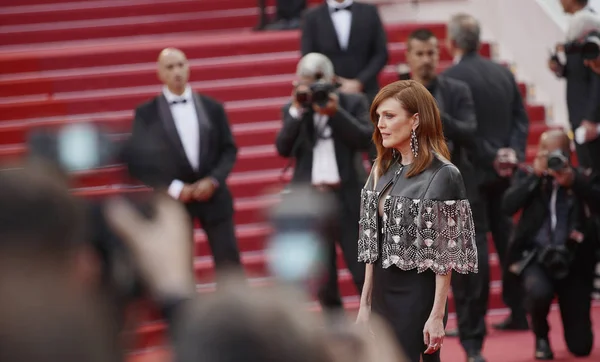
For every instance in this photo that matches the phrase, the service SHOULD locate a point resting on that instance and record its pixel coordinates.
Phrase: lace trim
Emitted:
(418, 234)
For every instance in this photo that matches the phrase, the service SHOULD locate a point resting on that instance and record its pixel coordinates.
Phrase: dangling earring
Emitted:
(394, 154)
(414, 144)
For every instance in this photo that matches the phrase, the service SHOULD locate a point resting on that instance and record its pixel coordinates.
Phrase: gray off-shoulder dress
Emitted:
(425, 228)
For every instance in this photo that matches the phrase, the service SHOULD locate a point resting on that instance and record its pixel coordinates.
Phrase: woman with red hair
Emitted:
(416, 225)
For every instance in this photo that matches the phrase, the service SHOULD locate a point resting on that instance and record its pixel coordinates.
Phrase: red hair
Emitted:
(414, 98)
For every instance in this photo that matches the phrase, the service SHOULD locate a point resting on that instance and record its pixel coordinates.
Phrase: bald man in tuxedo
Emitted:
(182, 143)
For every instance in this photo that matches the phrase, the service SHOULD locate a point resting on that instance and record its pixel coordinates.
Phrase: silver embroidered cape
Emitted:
(426, 223)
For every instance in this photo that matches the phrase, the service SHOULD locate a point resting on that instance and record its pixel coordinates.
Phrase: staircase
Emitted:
(63, 61)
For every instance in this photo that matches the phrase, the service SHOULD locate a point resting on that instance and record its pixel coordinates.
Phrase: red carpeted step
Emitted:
(247, 184)
(144, 74)
(170, 22)
(254, 158)
(256, 266)
(152, 334)
(184, 22)
(251, 238)
(49, 12)
(139, 75)
(257, 270)
(131, 52)
(15, 132)
(122, 100)
(208, 75)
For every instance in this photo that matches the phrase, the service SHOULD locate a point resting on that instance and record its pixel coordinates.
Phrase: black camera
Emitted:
(589, 47)
(557, 160)
(318, 94)
(557, 260)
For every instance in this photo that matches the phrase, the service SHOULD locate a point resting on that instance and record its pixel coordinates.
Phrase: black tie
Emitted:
(349, 8)
(178, 101)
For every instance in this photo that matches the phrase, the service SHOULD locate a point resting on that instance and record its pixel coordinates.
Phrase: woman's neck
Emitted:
(406, 153)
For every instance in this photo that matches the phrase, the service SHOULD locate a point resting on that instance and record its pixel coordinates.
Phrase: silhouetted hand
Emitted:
(330, 108)
(162, 247)
(204, 189)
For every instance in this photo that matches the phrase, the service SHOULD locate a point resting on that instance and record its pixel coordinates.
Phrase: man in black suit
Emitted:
(287, 17)
(583, 84)
(460, 124)
(325, 140)
(454, 100)
(352, 36)
(501, 137)
(552, 250)
(181, 142)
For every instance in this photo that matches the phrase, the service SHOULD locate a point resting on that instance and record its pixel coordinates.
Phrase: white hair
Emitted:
(465, 31)
(315, 65)
(582, 24)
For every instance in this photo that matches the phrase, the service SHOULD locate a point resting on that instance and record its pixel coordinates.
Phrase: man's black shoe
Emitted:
(475, 356)
(542, 350)
(452, 332)
(512, 324)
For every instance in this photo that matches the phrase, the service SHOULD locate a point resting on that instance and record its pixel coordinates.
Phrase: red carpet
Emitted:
(65, 61)
(499, 346)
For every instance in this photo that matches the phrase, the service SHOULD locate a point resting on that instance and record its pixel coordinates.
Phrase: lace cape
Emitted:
(418, 233)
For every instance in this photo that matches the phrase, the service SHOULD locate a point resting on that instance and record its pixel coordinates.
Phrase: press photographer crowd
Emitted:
(408, 180)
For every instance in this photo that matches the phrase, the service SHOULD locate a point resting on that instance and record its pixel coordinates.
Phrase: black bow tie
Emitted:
(349, 8)
(178, 101)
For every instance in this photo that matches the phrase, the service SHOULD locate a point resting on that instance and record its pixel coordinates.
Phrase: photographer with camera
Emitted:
(552, 247)
(325, 132)
(583, 84)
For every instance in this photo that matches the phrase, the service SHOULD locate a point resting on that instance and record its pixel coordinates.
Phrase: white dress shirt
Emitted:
(324, 164)
(186, 123)
(581, 23)
(342, 21)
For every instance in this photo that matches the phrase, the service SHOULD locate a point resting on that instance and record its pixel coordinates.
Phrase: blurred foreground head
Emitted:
(47, 312)
(242, 323)
(347, 341)
(41, 227)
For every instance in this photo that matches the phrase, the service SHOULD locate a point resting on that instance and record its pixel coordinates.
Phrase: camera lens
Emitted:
(557, 161)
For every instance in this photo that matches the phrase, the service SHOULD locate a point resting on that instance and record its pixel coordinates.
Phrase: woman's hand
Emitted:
(433, 334)
(364, 313)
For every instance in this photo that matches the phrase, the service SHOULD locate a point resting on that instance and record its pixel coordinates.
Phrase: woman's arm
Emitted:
(364, 310)
(433, 332)
(442, 287)
(365, 298)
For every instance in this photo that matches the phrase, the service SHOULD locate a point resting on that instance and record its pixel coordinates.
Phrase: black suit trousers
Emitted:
(587, 154)
(471, 294)
(574, 301)
(290, 9)
(343, 232)
(501, 227)
(222, 240)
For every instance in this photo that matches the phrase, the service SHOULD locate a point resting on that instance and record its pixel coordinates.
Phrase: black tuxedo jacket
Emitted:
(460, 125)
(351, 131)
(501, 117)
(367, 52)
(583, 91)
(155, 155)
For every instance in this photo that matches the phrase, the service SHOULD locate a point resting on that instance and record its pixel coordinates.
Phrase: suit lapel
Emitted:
(168, 122)
(204, 128)
(354, 26)
(328, 22)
